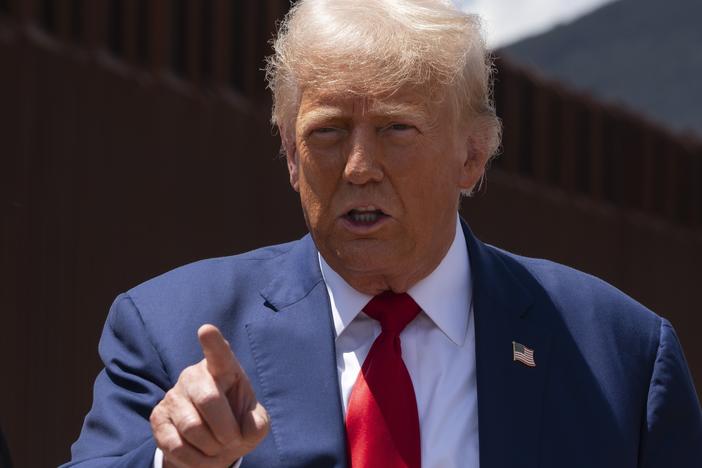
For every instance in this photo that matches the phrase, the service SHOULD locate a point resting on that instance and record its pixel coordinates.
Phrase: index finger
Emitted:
(221, 362)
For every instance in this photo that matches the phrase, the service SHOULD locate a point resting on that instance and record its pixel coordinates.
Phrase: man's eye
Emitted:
(324, 130)
(399, 127)
(325, 135)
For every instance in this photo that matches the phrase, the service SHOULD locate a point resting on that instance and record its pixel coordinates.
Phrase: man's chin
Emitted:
(365, 256)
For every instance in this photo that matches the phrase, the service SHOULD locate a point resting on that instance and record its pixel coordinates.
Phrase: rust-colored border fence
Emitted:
(561, 139)
(213, 43)
(134, 137)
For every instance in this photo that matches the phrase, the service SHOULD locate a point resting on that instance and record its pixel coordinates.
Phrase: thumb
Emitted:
(255, 424)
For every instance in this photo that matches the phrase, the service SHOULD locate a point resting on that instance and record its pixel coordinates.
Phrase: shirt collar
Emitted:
(445, 295)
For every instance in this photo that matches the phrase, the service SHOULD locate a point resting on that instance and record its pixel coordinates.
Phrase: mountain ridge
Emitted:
(634, 53)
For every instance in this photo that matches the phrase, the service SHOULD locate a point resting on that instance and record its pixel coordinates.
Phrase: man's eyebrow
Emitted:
(321, 113)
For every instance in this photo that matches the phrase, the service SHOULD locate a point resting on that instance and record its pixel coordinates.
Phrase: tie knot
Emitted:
(393, 311)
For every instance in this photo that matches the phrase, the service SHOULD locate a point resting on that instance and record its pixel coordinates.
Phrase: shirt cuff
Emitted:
(158, 460)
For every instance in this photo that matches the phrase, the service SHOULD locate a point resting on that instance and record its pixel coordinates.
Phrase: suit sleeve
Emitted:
(5, 461)
(672, 430)
(116, 431)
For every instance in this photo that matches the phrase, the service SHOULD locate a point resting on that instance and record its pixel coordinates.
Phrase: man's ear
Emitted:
(477, 153)
(290, 150)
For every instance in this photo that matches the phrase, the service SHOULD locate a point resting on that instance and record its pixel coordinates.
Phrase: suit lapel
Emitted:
(510, 394)
(293, 347)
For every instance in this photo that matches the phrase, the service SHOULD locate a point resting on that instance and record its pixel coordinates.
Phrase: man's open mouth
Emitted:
(365, 216)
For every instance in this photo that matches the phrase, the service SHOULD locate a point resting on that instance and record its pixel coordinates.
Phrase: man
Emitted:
(389, 336)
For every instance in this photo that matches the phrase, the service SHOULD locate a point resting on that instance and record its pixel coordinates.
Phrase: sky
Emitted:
(507, 21)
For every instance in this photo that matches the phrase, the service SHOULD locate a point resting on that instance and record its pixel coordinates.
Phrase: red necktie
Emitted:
(382, 423)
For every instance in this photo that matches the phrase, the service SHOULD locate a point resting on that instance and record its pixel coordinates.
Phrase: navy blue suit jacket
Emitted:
(611, 387)
(5, 461)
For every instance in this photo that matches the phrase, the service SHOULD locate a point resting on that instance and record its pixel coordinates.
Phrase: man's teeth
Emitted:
(364, 216)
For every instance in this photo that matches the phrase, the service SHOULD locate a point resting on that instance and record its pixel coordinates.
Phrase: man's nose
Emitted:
(363, 162)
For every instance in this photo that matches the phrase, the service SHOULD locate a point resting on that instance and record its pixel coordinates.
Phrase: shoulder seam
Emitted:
(129, 298)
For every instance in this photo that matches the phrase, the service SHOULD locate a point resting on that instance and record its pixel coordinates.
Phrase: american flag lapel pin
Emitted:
(523, 354)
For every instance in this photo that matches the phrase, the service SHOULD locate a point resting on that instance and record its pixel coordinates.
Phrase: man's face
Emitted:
(379, 181)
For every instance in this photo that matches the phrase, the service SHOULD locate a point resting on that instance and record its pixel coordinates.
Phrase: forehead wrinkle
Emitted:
(397, 109)
(331, 107)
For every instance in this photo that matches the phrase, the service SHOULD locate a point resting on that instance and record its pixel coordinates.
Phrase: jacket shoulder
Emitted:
(590, 313)
(576, 292)
(207, 291)
(211, 275)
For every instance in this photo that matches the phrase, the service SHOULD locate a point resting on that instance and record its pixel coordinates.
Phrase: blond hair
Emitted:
(375, 47)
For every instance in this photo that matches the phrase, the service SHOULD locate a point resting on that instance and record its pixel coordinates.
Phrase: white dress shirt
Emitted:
(438, 348)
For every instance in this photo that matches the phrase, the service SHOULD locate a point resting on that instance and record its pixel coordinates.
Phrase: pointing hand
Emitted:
(211, 417)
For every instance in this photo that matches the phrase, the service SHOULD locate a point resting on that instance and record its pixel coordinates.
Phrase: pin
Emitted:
(523, 354)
